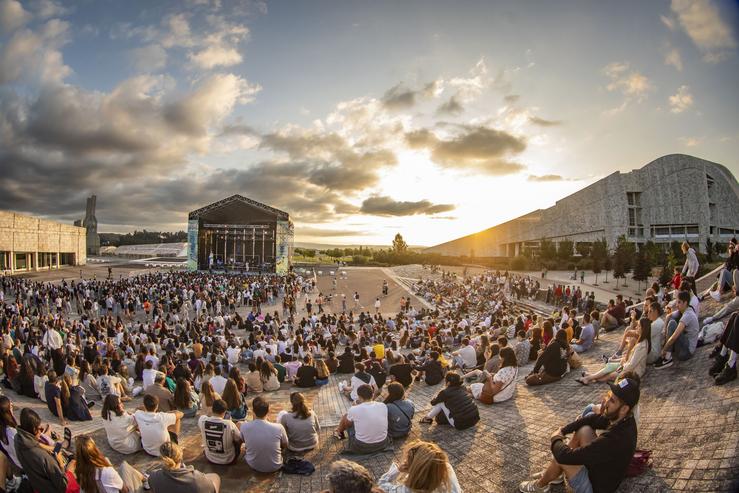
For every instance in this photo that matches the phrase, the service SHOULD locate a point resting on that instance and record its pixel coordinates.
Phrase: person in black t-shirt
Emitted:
(431, 370)
(590, 461)
(306, 376)
(346, 362)
(401, 371)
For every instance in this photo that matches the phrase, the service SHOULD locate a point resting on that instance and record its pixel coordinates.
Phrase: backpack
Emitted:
(640, 462)
(294, 465)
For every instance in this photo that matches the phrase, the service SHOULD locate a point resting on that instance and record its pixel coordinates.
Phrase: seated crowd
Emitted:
(178, 340)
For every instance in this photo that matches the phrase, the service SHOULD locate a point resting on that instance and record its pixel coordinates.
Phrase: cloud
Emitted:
(149, 58)
(326, 233)
(668, 22)
(545, 178)
(450, 107)
(706, 27)
(474, 147)
(379, 205)
(633, 85)
(215, 56)
(511, 98)
(35, 55)
(543, 122)
(400, 97)
(681, 100)
(672, 57)
(690, 141)
(12, 16)
(329, 160)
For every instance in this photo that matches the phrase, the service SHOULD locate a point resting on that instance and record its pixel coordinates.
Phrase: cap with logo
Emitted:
(627, 390)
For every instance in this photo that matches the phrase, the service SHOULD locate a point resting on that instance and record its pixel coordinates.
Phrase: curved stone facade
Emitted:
(673, 198)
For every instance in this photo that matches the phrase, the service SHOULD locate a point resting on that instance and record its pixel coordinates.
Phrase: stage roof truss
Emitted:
(238, 198)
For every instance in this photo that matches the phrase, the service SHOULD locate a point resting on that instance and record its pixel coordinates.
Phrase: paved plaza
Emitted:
(691, 426)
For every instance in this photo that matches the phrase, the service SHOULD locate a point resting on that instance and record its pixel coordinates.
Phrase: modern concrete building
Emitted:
(673, 198)
(32, 244)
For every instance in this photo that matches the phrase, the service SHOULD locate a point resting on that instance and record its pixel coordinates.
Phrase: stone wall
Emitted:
(673, 190)
(20, 233)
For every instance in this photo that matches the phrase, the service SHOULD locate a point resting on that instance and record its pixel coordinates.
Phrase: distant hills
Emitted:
(327, 246)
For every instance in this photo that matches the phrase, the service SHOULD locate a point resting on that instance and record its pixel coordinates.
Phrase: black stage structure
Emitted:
(239, 233)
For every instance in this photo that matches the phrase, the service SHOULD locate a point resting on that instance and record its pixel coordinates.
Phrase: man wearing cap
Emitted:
(594, 462)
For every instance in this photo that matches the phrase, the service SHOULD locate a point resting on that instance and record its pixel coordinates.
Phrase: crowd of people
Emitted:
(211, 348)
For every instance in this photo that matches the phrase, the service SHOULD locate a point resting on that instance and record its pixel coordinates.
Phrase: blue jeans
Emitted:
(580, 482)
(681, 348)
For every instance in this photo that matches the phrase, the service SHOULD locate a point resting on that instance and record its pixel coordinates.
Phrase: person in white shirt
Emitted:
(221, 437)
(120, 426)
(466, 356)
(149, 374)
(218, 381)
(233, 353)
(366, 424)
(156, 428)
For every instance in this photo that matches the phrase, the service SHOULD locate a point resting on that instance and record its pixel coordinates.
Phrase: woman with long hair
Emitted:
(93, 470)
(634, 358)
(8, 427)
(185, 398)
(268, 375)
(425, 468)
(207, 397)
(322, 372)
(301, 424)
(234, 400)
(400, 411)
(120, 427)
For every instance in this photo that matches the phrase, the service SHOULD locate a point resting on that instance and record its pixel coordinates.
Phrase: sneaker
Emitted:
(663, 363)
(715, 295)
(531, 487)
(559, 480)
(605, 359)
(727, 375)
(718, 365)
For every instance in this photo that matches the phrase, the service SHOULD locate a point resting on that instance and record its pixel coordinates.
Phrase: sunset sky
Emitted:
(360, 119)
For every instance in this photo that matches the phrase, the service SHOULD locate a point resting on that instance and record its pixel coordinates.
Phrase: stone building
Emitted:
(32, 244)
(673, 198)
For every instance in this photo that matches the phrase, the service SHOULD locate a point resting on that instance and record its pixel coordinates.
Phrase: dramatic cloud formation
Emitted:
(704, 24)
(682, 100)
(477, 148)
(385, 206)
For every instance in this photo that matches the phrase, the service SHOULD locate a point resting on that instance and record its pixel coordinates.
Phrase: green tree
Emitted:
(619, 269)
(399, 244)
(564, 251)
(641, 267)
(547, 250)
(583, 249)
(599, 253)
(626, 252)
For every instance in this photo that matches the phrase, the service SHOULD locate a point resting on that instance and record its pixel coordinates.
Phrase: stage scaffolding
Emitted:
(237, 233)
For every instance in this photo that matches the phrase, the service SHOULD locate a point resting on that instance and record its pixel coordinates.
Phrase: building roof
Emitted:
(238, 199)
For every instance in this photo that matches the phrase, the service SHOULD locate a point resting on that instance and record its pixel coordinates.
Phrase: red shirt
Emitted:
(676, 280)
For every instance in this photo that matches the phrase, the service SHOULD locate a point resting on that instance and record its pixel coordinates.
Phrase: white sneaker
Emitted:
(531, 487)
(558, 480)
(715, 295)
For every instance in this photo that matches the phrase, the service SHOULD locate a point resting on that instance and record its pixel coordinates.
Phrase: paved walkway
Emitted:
(691, 425)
